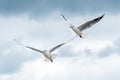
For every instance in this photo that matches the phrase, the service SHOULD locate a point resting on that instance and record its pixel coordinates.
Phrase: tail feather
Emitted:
(54, 56)
(46, 60)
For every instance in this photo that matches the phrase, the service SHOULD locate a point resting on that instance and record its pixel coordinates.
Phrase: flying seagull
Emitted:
(47, 53)
(78, 30)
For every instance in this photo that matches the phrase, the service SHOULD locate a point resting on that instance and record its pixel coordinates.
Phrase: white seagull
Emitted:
(47, 53)
(78, 30)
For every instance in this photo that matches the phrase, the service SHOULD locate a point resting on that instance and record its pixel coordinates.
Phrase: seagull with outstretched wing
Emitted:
(78, 30)
(47, 53)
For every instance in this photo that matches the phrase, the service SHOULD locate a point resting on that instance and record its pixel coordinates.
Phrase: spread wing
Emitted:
(56, 47)
(34, 49)
(28, 47)
(90, 23)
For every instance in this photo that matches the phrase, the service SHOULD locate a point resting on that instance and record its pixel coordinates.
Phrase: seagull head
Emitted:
(71, 26)
(45, 51)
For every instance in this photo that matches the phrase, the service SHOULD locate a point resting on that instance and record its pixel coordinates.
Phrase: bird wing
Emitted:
(34, 49)
(64, 17)
(28, 46)
(90, 23)
(54, 48)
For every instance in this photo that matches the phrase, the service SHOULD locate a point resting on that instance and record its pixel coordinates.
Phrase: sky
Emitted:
(38, 23)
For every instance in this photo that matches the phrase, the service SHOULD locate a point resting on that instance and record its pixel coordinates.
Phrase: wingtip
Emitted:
(62, 15)
(103, 15)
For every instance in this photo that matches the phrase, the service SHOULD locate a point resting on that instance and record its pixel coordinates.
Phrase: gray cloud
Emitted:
(11, 63)
(105, 52)
(50, 32)
(11, 58)
(42, 7)
(88, 52)
(66, 51)
(115, 49)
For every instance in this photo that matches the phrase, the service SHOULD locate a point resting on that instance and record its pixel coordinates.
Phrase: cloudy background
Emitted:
(38, 23)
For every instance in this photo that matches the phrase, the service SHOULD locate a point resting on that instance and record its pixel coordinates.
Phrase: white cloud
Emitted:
(45, 33)
(67, 69)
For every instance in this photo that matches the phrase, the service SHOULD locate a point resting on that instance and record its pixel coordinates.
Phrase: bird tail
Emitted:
(46, 60)
(54, 56)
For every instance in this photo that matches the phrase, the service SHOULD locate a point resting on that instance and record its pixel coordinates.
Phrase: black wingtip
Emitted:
(102, 16)
(62, 44)
(99, 18)
(63, 17)
(61, 14)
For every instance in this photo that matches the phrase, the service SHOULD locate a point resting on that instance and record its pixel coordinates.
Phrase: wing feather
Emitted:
(54, 48)
(90, 23)
(28, 46)
(34, 49)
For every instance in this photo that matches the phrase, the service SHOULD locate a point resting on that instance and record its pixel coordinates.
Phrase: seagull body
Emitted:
(78, 30)
(47, 53)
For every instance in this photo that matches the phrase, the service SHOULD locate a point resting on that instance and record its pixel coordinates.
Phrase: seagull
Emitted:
(47, 53)
(78, 30)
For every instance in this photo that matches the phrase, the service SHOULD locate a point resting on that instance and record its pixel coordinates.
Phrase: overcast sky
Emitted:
(38, 23)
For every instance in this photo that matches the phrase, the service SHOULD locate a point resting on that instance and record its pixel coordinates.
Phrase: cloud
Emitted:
(106, 51)
(40, 7)
(11, 58)
(50, 31)
(66, 51)
(30, 32)
(95, 58)
(62, 68)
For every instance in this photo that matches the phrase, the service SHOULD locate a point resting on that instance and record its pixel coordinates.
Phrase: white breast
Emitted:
(76, 30)
(46, 54)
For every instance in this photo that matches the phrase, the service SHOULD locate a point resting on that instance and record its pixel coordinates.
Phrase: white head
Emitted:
(45, 51)
(71, 26)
